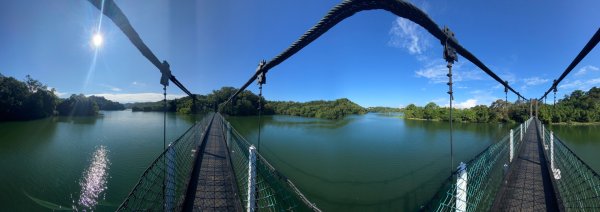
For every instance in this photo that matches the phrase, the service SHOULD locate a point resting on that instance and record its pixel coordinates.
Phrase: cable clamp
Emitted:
(166, 73)
(262, 77)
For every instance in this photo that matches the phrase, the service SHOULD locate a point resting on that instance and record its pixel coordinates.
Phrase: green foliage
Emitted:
(105, 104)
(77, 105)
(431, 111)
(247, 103)
(154, 106)
(319, 109)
(384, 110)
(482, 114)
(25, 100)
(579, 106)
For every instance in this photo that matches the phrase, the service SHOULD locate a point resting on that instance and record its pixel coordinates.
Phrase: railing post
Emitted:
(461, 188)
(521, 133)
(552, 151)
(251, 206)
(511, 145)
(544, 137)
(228, 133)
(555, 171)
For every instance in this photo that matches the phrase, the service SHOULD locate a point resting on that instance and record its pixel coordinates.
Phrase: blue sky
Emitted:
(372, 58)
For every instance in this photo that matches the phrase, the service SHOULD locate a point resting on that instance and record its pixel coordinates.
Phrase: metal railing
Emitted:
(577, 184)
(164, 184)
(474, 185)
(260, 185)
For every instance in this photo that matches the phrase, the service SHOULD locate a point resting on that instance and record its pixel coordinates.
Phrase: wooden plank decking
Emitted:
(213, 179)
(528, 185)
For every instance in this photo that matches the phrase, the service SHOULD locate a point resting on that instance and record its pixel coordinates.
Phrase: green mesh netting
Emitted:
(274, 191)
(163, 185)
(578, 184)
(485, 173)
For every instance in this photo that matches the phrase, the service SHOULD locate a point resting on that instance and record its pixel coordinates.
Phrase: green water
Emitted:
(375, 162)
(85, 163)
(361, 163)
(583, 140)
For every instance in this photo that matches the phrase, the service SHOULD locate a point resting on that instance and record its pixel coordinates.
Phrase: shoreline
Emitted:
(576, 123)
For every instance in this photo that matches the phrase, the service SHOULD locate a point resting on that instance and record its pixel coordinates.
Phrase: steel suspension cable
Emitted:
(350, 7)
(164, 145)
(262, 79)
(112, 11)
(450, 57)
(584, 52)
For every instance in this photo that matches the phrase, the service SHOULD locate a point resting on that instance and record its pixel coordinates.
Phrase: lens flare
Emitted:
(97, 40)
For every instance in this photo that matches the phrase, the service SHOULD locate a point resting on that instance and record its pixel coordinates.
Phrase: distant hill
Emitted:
(247, 104)
(152, 106)
(336, 109)
(105, 104)
(384, 110)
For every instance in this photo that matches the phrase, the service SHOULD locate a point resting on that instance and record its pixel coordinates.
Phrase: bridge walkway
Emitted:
(528, 185)
(216, 189)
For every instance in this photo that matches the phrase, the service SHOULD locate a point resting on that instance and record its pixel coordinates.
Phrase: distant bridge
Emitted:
(212, 167)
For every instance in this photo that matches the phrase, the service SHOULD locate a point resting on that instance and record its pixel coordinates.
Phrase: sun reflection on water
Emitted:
(94, 180)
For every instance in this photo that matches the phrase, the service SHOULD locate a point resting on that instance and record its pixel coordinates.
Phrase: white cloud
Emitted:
(586, 69)
(406, 34)
(137, 97)
(534, 81)
(581, 85)
(469, 103)
(437, 73)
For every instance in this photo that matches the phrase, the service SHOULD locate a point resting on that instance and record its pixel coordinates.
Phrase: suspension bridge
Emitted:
(213, 167)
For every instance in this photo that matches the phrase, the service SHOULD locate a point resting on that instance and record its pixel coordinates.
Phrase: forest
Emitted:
(579, 106)
(31, 99)
(247, 104)
(384, 110)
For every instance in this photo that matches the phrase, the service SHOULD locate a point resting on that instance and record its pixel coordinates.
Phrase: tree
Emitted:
(77, 105)
(105, 104)
(25, 100)
(482, 114)
(431, 111)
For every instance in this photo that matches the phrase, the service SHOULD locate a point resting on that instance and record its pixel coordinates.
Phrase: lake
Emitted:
(362, 162)
(83, 162)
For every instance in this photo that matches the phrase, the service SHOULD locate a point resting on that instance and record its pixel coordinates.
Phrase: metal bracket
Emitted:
(262, 77)
(450, 57)
(166, 73)
(449, 52)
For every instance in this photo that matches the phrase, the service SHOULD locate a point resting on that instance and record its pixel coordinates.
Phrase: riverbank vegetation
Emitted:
(25, 100)
(319, 109)
(577, 107)
(77, 105)
(384, 110)
(247, 103)
(31, 99)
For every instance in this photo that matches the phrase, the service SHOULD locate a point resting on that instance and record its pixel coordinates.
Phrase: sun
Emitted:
(97, 40)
